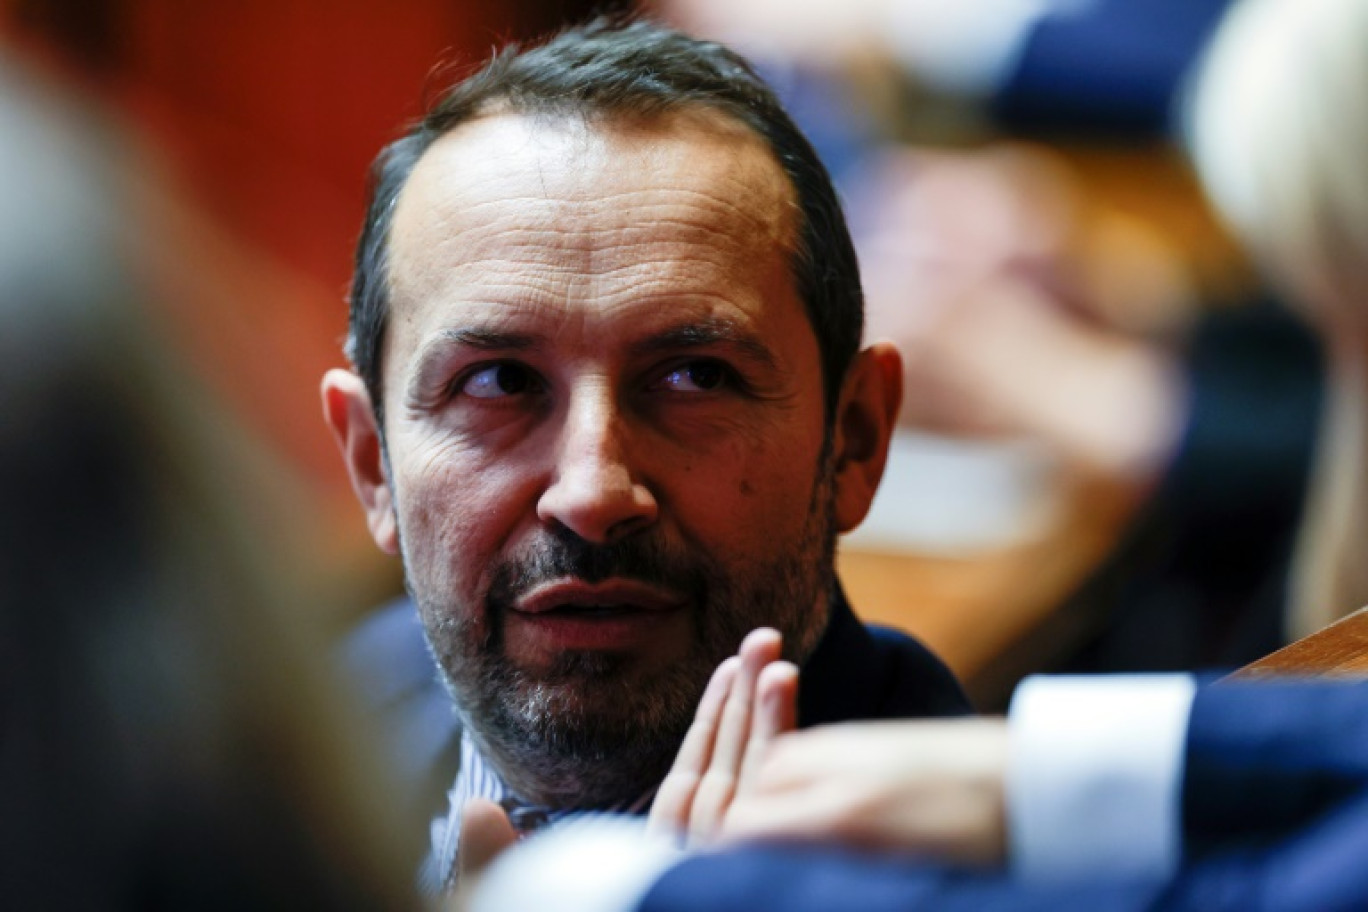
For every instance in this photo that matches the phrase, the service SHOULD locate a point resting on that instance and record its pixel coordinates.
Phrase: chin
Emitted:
(591, 736)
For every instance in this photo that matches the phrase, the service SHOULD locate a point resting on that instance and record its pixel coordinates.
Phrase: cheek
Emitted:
(750, 493)
(455, 514)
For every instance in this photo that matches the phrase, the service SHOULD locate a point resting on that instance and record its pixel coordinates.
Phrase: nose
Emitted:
(594, 490)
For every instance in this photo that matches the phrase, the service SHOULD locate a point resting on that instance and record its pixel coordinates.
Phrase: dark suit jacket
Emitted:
(1276, 817)
(862, 672)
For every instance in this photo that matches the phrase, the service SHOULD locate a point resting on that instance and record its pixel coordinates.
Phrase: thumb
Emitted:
(485, 832)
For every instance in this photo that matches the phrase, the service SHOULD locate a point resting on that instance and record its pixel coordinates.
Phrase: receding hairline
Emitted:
(776, 210)
(707, 121)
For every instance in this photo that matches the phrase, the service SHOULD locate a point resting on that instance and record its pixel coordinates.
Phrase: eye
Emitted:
(498, 380)
(701, 376)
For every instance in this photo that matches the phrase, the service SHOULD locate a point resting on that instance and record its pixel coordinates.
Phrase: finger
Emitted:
(674, 798)
(485, 832)
(718, 785)
(697, 747)
(776, 701)
(758, 650)
(775, 712)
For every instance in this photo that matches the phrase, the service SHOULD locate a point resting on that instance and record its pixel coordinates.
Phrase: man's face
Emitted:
(605, 432)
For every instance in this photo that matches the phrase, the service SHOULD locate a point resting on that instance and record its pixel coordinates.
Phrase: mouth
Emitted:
(612, 615)
(589, 611)
(611, 598)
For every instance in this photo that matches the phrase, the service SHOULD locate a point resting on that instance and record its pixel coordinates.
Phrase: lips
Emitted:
(609, 598)
(616, 615)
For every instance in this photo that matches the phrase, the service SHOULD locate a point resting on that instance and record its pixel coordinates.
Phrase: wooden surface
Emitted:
(992, 616)
(1340, 650)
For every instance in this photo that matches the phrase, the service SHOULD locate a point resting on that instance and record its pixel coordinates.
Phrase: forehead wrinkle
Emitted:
(547, 229)
(535, 274)
(553, 154)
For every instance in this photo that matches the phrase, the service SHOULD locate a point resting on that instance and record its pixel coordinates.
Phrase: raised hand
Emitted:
(750, 700)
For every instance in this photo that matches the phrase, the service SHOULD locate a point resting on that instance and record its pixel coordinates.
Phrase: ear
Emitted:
(865, 418)
(347, 409)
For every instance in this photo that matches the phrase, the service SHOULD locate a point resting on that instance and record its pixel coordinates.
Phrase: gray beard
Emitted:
(594, 731)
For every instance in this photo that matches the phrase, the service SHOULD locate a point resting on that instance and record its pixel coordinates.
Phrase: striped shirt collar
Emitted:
(476, 778)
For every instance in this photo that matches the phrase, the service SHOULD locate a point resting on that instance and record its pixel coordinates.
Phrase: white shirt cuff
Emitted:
(595, 863)
(1094, 778)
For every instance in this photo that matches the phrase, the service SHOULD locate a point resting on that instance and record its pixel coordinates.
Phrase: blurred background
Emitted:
(1109, 422)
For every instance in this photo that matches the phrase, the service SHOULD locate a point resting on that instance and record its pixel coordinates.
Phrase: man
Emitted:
(609, 406)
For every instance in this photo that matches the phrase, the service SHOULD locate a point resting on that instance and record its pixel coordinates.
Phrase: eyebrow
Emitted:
(705, 334)
(489, 339)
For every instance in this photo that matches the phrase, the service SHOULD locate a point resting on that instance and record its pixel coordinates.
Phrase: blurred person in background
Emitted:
(1280, 148)
(1021, 317)
(1100, 793)
(170, 733)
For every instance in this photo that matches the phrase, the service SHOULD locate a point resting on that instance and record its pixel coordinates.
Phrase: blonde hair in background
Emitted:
(1277, 125)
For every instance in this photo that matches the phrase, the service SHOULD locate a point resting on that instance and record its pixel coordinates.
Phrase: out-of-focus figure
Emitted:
(1027, 311)
(170, 736)
(1279, 134)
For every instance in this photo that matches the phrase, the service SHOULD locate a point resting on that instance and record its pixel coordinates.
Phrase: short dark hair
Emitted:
(624, 67)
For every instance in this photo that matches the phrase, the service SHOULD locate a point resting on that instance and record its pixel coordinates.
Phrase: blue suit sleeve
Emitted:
(762, 879)
(758, 879)
(1266, 757)
(1312, 868)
